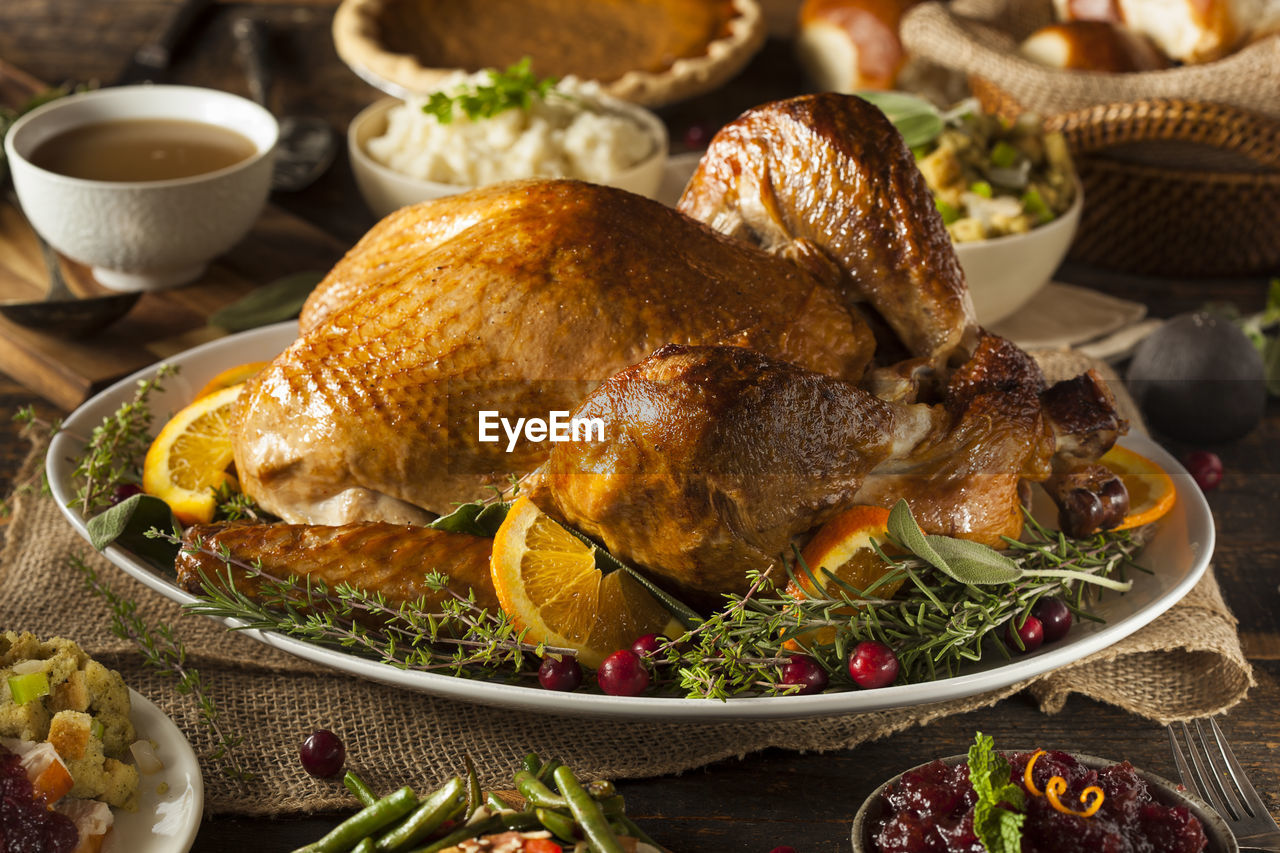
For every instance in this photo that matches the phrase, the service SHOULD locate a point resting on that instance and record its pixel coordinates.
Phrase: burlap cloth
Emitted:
(981, 37)
(1187, 663)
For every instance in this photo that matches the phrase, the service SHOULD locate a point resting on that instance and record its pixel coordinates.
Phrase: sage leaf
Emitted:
(279, 300)
(476, 519)
(903, 527)
(919, 121)
(126, 524)
(973, 562)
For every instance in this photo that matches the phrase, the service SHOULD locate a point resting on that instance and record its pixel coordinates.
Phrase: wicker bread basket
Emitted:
(1180, 168)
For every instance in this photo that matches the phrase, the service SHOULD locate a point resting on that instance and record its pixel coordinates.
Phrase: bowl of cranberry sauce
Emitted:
(929, 809)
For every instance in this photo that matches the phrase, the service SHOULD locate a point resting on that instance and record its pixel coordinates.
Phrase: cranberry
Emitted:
(1205, 468)
(622, 674)
(1030, 633)
(648, 645)
(804, 671)
(124, 491)
(563, 674)
(1055, 618)
(323, 754)
(783, 849)
(873, 664)
(696, 136)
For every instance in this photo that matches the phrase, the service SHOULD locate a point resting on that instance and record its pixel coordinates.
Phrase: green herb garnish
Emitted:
(996, 821)
(919, 121)
(514, 88)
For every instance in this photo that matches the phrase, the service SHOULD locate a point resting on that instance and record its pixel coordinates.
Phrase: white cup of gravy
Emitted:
(145, 184)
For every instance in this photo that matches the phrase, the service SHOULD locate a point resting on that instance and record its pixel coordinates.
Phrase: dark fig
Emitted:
(1198, 378)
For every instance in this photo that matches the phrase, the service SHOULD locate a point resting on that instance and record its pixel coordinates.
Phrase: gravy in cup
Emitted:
(142, 149)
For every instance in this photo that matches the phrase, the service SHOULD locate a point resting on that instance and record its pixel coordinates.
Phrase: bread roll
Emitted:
(846, 45)
(1185, 30)
(1092, 46)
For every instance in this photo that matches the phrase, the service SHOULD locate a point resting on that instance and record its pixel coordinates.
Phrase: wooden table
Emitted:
(774, 798)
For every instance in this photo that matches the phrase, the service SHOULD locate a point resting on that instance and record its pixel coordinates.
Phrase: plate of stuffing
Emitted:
(86, 763)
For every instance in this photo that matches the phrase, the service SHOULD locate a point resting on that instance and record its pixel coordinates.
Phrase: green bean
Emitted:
(438, 807)
(536, 793)
(475, 797)
(636, 832)
(586, 812)
(532, 763)
(496, 804)
(545, 771)
(561, 825)
(519, 821)
(357, 787)
(365, 846)
(601, 788)
(498, 823)
(365, 822)
(612, 806)
(462, 833)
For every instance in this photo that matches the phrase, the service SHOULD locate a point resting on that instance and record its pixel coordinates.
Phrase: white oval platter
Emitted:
(1178, 556)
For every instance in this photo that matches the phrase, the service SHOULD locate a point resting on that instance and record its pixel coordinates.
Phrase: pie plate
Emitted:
(1177, 557)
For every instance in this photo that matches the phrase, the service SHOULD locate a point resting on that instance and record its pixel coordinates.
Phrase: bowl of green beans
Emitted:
(548, 810)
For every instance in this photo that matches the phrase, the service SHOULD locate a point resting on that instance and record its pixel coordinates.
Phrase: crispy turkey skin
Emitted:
(825, 353)
(520, 299)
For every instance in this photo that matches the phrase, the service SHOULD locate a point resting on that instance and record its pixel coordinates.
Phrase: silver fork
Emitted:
(1218, 779)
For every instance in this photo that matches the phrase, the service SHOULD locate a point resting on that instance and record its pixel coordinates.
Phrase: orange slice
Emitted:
(548, 582)
(843, 547)
(1151, 490)
(232, 376)
(188, 460)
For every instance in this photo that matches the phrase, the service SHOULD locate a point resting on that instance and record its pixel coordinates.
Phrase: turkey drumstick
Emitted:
(829, 174)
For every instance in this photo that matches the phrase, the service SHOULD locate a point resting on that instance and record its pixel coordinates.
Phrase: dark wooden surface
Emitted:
(773, 798)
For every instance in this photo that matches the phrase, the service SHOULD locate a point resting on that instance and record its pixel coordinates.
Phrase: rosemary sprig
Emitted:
(456, 636)
(935, 624)
(162, 650)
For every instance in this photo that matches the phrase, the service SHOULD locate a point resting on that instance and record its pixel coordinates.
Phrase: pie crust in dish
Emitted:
(650, 52)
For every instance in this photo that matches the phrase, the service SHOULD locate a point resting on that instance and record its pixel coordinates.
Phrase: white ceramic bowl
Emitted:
(1004, 273)
(144, 235)
(386, 190)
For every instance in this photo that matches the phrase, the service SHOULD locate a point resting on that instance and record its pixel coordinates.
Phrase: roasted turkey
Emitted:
(807, 243)
(518, 299)
(716, 458)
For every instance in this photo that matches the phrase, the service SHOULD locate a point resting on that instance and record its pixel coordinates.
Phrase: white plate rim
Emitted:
(1191, 519)
(132, 832)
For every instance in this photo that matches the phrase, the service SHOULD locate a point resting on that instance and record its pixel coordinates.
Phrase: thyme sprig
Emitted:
(162, 650)
(114, 450)
(455, 635)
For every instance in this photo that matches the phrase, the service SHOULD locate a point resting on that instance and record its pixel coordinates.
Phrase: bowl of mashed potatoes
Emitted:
(404, 152)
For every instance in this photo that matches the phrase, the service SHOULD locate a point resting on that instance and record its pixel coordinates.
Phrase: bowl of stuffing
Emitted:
(1011, 202)
(1053, 801)
(494, 126)
(1007, 192)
